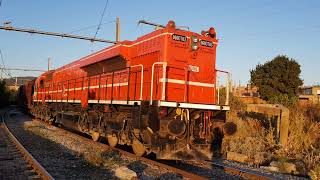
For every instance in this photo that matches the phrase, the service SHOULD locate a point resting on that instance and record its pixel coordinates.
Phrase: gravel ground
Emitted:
(65, 156)
(57, 160)
(12, 163)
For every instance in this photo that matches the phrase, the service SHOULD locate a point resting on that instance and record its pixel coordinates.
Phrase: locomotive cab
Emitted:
(183, 109)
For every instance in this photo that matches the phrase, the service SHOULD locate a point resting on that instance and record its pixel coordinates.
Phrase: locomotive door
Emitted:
(93, 87)
(156, 80)
(84, 92)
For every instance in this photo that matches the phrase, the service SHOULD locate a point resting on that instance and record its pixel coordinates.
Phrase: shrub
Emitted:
(4, 94)
(303, 139)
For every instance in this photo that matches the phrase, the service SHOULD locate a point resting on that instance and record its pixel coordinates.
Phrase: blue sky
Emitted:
(250, 31)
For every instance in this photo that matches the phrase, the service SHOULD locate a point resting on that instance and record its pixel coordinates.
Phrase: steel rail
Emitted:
(27, 156)
(155, 163)
(181, 172)
(248, 174)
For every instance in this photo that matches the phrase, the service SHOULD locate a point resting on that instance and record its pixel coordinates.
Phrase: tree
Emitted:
(4, 94)
(278, 80)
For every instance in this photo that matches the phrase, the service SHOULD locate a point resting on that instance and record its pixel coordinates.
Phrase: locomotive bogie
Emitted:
(171, 133)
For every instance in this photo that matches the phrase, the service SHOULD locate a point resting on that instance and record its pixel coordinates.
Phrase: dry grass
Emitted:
(315, 173)
(257, 141)
(252, 140)
(304, 138)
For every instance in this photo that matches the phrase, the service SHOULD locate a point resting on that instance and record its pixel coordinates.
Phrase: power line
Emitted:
(3, 69)
(89, 27)
(102, 15)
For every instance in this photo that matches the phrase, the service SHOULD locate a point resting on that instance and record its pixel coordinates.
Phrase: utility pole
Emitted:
(117, 29)
(1, 71)
(16, 84)
(49, 62)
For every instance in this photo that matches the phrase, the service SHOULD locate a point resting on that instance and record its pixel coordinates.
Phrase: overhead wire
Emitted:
(102, 15)
(2, 60)
(90, 27)
(6, 72)
(4, 66)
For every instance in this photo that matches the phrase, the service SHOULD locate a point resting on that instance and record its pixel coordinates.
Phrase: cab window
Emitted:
(42, 84)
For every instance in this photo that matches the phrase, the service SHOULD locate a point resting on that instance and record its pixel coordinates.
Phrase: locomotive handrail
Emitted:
(59, 90)
(141, 81)
(227, 86)
(164, 66)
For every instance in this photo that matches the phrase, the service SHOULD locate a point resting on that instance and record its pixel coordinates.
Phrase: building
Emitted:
(14, 82)
(309, 94)
(248, 94)
(245, 91)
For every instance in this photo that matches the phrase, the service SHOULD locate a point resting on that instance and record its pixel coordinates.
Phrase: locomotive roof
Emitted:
(121, 48)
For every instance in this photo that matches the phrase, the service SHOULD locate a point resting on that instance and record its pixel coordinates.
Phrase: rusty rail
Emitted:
(248, 174)
(27, 156)
(181, 172)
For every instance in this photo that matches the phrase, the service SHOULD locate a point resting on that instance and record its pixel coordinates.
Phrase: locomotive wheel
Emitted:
(112, 140)
(95, 136)
(138, 148)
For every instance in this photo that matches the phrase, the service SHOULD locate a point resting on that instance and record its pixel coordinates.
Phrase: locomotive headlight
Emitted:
(195, 39)
(194, 47)
(194, 43)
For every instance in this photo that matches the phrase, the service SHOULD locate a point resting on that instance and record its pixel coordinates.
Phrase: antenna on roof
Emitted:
(151, 24)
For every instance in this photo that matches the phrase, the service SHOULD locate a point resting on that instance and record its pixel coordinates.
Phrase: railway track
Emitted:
(16, 161)
(236, 171)
(132, 156)
(193, 172)
(247, 174)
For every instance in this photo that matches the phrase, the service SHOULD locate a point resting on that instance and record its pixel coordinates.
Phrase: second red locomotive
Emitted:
(157, 93)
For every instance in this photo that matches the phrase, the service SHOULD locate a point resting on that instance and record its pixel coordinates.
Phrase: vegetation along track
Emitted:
(16, 161)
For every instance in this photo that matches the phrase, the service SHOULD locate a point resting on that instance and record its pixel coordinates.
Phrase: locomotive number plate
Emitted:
(177, 37)
(194, 68)
(206, 43)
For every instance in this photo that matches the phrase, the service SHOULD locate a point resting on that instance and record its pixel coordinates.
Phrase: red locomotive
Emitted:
(157, 93)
